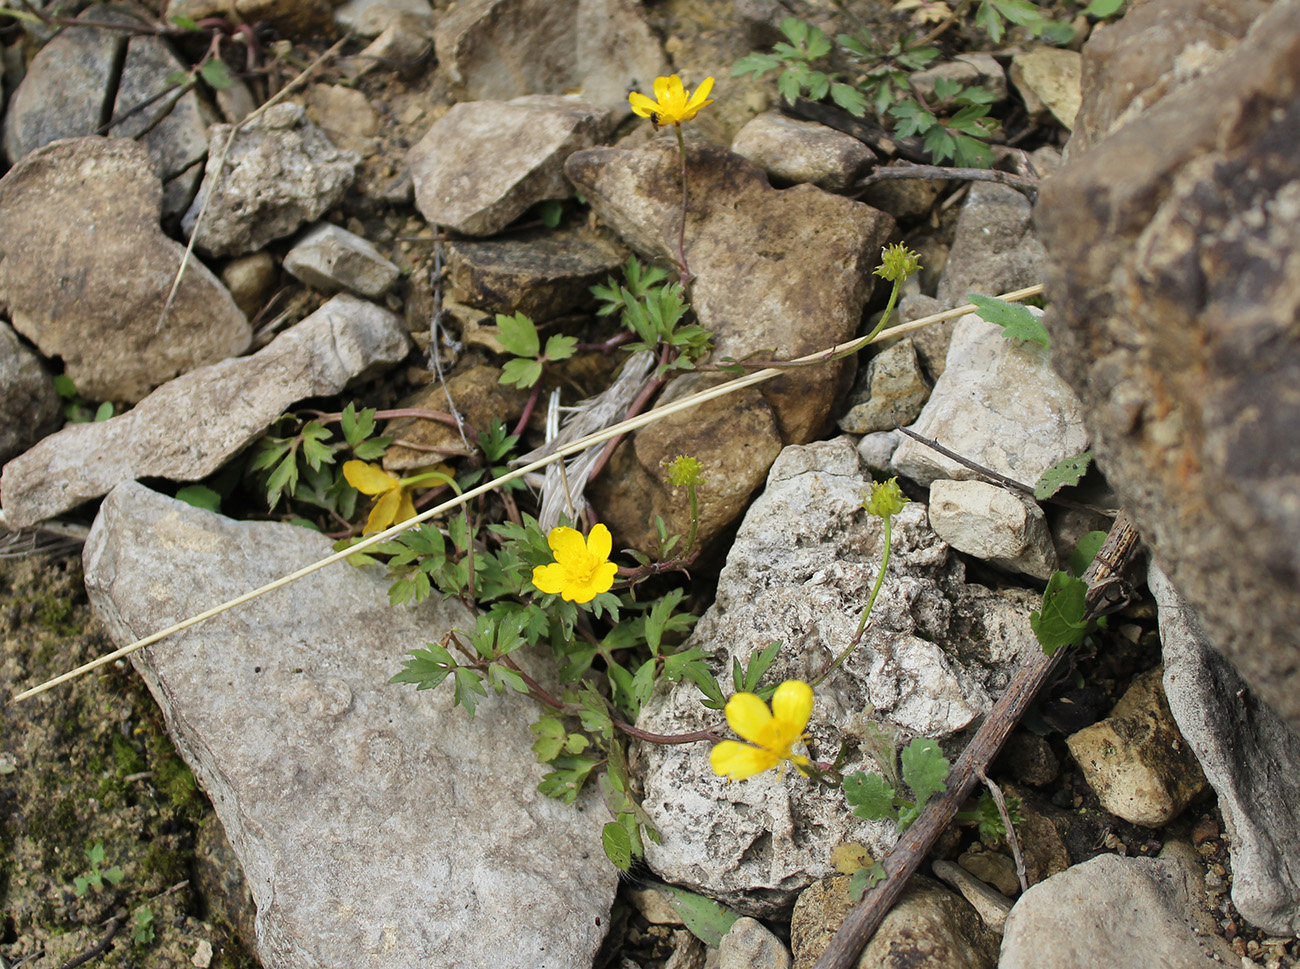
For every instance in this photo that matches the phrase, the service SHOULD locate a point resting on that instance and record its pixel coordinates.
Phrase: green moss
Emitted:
(162, 865)
(173, 777)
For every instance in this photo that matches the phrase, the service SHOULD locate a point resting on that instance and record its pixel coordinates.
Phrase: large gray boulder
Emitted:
(1174, 238)
(377, 825)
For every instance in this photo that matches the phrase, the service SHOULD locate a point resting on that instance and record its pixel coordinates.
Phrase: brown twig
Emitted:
(98, 949)
(916, 842)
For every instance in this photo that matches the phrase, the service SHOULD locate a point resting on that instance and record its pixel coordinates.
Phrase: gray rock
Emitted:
(173, 129)
(331, 258)
(1049, 80)
(1172, 309)
(877, 451)
(929, 928)
(891, 393)
(803, 151)
(1123, 913)
(502, 49)
(999, 404)
(29, 407)
(370, 18)
(191, 426)
(370, 828)
(86, 272)
(992, 524)
(752, 249)
(280, 173)
(528, 140)
(936, 652)
(404, 40)
(1136, 760)
(65, 91)
(541, 274)
(994, 249)
(1250, 756)
(749, 944)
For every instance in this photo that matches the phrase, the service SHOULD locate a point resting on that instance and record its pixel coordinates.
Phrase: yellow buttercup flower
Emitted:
(582, 569)
(671, 104)
(771, 733)
(394, 504)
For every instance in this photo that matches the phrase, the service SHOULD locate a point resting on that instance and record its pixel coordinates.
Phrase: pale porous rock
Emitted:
(29, 407)
(803, 151)
(1250, 756)
(192, 425)
(749, 944)
(994, 525)
(376, 824)
(527, 140)
(541, 274)
(999, 404)
(752, 249)
(1136, 760)
(370, 18)
(890, 393)
(936, 652)
(251, 280)
(877, 451)
(1174, 297)
(85, 272)
(406, 38)
(1048, 79)
(280, 173)
(928, 928)
(331, 258)
(1122, 913)
(502, 49)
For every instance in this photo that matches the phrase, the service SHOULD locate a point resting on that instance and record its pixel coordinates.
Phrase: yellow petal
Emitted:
(405, 508)
(698, 99)
(600, 543)
(642, 105)
(368, 478)
(749, 717)
(792, 705)
(663, 87)
(549, 578)
(385, 510)
(739, 761)
(567, 544)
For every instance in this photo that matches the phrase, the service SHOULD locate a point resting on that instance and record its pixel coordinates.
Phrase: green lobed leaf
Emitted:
(925, 768)
(756, 65)
(1066, 472)
(560, 347)
(1017, 322)
(426, 668)
(521, 373)
(469, 687)
(706, 919)
(1102, 8)
(849, 98)
(518, 334)
(1060, 621)
(865, 878)
(550, 738)
(870, 796)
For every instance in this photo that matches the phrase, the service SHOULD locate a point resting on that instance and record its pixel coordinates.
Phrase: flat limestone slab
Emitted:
(377, 826)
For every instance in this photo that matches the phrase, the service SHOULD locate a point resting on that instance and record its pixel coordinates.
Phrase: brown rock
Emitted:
(85, 272)
(1172, 241)
(480, 398)
(753, 250)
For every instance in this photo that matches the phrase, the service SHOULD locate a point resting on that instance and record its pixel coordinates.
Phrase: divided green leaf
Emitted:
(1060, 621)
(1017, 322)
(1064, 473)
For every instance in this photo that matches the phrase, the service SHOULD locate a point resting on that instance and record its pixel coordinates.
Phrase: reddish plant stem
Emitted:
(529, 407)
(638, 405)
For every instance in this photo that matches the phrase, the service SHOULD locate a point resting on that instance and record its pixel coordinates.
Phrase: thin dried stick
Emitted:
(916, 842)
(641, 420)
(1013, 841)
